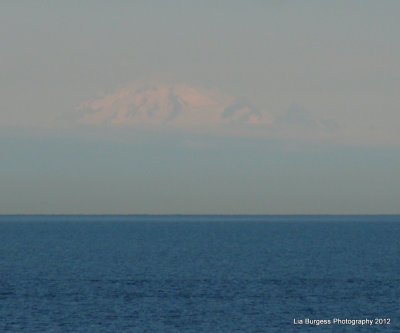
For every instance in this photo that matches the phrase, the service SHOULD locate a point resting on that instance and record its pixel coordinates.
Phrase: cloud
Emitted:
(178, 106)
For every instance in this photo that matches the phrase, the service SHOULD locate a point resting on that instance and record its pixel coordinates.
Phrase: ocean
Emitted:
(187, 273)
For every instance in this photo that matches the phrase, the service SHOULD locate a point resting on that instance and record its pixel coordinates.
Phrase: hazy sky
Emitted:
(200, 107)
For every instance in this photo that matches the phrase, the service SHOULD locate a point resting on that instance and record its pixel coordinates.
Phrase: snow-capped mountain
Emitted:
(169, 104)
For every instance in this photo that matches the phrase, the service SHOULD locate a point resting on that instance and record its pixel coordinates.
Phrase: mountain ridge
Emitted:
(169, 104)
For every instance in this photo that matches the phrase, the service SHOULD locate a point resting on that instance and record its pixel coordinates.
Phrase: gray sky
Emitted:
(314, 85)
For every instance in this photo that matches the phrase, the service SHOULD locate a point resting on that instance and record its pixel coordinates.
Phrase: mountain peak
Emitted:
(168, 104)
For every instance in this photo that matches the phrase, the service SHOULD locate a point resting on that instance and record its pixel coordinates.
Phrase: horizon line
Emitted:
(201, 214)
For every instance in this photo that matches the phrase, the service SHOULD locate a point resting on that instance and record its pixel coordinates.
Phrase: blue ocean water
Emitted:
(198, 273)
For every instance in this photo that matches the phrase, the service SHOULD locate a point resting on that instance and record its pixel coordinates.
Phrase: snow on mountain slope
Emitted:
(168, 104)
